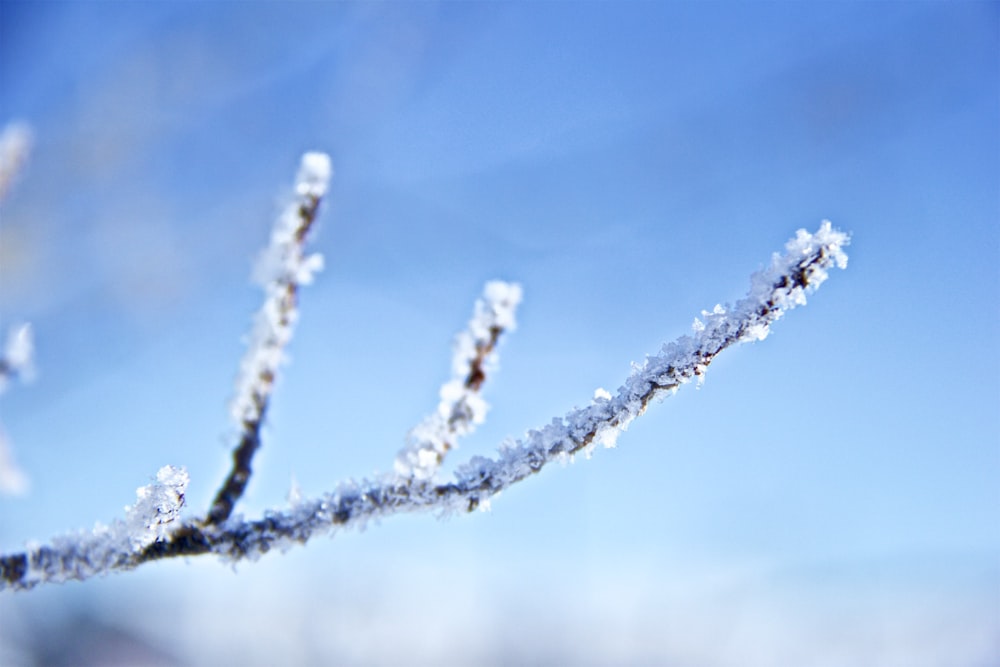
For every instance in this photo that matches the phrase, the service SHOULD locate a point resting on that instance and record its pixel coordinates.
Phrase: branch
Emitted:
(281, 270)
(773, 291)
(17, 363)
(462, 408)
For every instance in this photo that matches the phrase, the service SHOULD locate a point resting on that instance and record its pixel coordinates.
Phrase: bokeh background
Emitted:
(828, 497)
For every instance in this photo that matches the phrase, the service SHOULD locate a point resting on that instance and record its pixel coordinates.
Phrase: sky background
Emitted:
(828, 497)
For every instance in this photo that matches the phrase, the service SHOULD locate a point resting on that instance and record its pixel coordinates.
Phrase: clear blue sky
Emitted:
(829, 496)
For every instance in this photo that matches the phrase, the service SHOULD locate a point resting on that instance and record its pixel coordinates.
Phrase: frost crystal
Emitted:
(18, 355)
(314, 175)
(282, 268)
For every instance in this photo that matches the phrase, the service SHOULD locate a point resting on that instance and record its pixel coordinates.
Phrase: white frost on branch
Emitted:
(157, 505)
(778, 288)
(18, 356)
(84, 554)
(462, 407)
(280, 270)
(17, 362)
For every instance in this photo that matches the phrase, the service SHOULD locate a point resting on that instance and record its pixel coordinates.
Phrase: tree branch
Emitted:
(281, 270)
(16, 363)
(773, 291)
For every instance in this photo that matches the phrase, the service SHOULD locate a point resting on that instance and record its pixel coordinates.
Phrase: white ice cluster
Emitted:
(13, 480)
(280, 270)
(461, 407)
(156, 506)
(109, 547)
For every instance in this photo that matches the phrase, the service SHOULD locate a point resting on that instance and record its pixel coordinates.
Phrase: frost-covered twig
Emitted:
(106, 548)
(462, 408)
(17, 361)
(775, 290)
(15, 146)
(281, 270)
(13, 480)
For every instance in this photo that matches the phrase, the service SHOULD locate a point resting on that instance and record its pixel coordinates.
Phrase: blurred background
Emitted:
(828, 497)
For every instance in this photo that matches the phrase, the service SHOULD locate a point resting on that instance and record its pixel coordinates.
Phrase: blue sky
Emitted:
(630, 165)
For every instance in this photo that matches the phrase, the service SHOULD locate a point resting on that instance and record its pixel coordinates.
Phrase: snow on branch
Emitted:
(13, 480)
(281, 269)
(775, 290)
(15, 147)
(462, 408)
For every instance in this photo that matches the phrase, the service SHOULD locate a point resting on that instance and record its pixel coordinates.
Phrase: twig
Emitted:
(281, 270)
(15, 147)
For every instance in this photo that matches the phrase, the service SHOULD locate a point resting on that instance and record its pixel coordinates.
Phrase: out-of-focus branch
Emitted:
(282, 268)
(17, 361)
(13, 480)
(462, 408)
(773, 291)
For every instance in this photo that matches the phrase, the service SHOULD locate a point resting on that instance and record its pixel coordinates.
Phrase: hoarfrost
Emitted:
(157, 505)
(83, 554)
(15, 147)
(315, 172)
(281, 270)
(776, 289)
